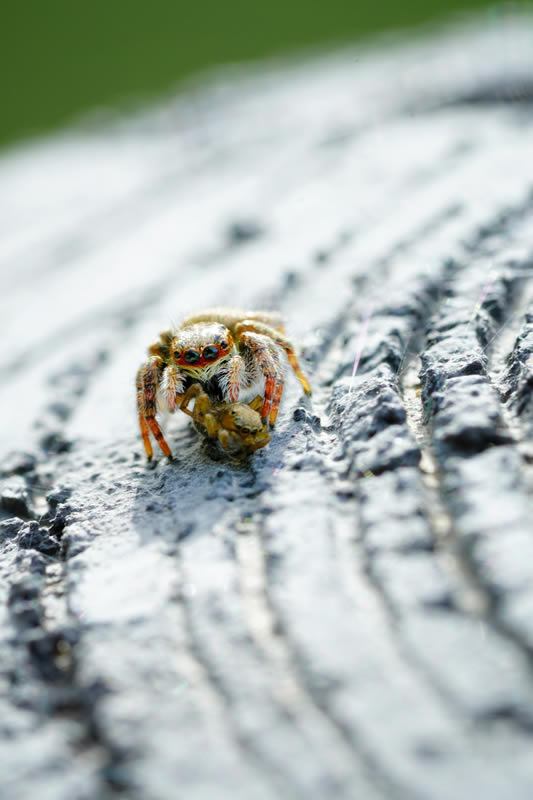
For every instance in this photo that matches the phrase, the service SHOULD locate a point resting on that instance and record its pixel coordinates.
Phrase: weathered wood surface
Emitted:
(351, 614)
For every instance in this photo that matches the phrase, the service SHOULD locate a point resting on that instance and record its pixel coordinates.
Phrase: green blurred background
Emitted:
(60, 58)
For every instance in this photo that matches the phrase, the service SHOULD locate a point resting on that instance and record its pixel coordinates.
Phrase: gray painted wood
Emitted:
(350, 614)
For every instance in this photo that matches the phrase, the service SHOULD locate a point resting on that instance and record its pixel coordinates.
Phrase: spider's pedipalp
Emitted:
(172, 386)
(235, 376)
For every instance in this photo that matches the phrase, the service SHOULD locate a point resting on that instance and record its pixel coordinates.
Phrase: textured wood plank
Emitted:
(349, 614)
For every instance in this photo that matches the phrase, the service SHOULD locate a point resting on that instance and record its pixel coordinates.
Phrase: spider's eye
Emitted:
(224, 345)
(191, 357)
(210, 353)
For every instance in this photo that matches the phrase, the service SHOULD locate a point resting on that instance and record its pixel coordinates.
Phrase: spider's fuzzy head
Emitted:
(199, 350)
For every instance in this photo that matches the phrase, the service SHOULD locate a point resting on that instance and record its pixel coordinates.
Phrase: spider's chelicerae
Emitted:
(234, 355)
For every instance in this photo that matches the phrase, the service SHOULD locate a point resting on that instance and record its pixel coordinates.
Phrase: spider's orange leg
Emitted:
(160, 439)
(148, 379)
(267, 364)
(145, 433)
(280, 339)
(280, 382)
(278, 391)
(293, 361)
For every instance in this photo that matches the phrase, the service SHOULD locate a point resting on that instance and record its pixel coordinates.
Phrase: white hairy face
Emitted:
(200, 350)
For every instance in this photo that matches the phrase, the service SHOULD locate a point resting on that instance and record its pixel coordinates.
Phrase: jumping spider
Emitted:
(236, 426)
(234, 355)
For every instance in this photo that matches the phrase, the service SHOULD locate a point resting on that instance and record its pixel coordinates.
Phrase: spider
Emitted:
(236, 426)
(234, 355)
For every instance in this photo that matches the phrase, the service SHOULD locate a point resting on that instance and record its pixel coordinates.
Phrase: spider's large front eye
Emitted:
(191, 357)
(210, 353)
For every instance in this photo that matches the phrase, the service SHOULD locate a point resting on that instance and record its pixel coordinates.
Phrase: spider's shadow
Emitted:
(202, 485)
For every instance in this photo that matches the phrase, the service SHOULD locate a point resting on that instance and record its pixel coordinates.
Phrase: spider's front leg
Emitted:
(269, 365)
(172, 381)
(149, 377)
(279, 384)
(253, 326)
